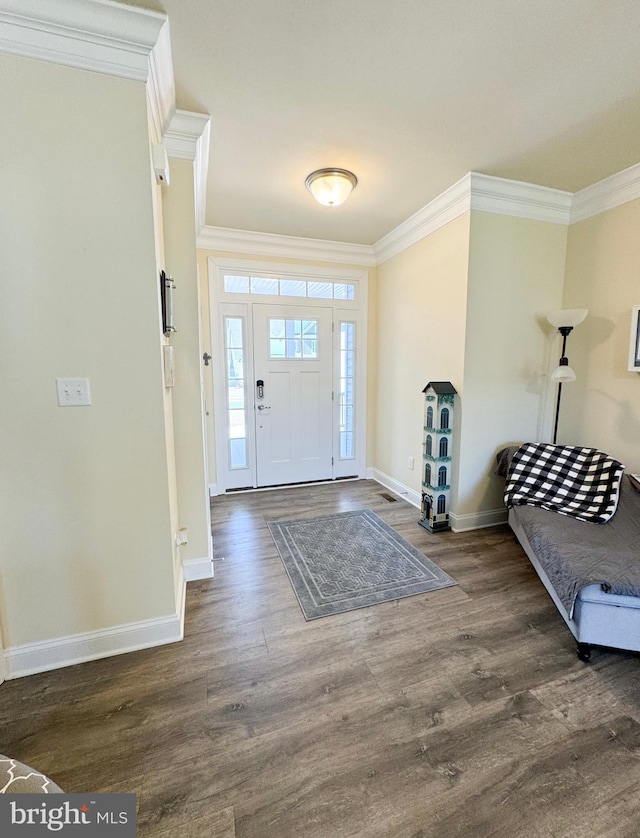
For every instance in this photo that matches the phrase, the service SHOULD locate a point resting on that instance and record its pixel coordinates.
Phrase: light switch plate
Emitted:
(73, 392)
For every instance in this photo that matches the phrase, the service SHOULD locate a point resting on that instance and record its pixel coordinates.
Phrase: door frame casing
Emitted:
(219, 300)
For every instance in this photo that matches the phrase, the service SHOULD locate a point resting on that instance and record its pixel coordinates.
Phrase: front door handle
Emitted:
(264, 407)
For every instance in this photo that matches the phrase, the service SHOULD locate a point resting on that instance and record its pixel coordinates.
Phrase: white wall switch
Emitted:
(73, 392)
(412, 462)
(182, 537)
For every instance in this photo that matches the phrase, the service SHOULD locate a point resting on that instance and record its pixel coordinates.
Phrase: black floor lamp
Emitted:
(564, 320)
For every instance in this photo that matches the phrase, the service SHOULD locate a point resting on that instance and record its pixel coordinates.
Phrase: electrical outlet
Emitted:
(73, 392)
(412, 463)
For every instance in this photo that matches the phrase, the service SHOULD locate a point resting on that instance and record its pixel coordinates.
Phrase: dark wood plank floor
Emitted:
(461, 712)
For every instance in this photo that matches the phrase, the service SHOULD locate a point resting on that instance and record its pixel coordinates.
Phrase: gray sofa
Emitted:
(591, 571)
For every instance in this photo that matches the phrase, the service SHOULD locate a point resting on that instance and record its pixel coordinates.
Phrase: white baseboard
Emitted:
(213, 489)
(195, 569)
(405, 492)
(30, 658)
(459, 523)
(477, 520)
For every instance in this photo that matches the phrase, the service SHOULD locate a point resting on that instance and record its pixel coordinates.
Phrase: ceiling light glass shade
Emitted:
(563, 374)
(566, 317)
(331, 187)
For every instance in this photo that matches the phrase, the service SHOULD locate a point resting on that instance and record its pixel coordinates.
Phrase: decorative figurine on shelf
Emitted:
(436, 480)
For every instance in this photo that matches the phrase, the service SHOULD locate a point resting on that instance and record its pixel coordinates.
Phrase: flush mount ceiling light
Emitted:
(331, 187)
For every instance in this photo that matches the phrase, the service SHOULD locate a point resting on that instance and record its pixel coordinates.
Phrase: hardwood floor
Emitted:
(460, 712)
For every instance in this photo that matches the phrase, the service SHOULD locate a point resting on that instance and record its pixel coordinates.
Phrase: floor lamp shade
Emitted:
(564, 321)
(569, 317)
(563, 374)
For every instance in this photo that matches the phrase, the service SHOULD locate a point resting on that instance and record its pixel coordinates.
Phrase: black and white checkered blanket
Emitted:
(581, 482)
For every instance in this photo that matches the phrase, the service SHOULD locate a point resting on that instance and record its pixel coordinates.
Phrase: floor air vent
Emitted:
(388, 497)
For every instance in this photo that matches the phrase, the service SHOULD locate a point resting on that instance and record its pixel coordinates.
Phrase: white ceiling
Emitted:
(408, 94)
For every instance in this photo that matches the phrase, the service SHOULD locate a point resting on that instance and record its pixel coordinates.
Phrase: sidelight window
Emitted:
(347, 389)
(235, 374)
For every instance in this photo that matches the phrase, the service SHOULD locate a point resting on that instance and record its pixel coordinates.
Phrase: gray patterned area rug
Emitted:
(351, 560)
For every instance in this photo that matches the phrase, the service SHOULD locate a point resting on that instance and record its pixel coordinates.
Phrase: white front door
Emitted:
(293, 357)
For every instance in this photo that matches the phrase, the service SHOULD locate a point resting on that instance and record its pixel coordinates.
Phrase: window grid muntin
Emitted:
(293, 339)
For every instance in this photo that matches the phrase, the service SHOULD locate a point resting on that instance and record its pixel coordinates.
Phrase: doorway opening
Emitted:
(289, 373)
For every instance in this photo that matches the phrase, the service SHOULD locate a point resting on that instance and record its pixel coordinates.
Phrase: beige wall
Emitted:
(203, 269)
(601, 409)
(180, 262)
(420, 311)
(87, 541)
(466, 304)
(516, 270)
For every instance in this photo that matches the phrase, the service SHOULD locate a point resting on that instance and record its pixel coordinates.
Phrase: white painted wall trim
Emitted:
(183, 133)
(474, 191)
(200, 173)
(30, 658)
(132, 43)
(477, 520)
(519, 199)
(213, 490)
(285, 247)
(161, 90)
(188, 137)
(195, 569)
(395, 486)
(453, 202)
(482, 193)
(459, 523)
(606, 194)
(102, 36)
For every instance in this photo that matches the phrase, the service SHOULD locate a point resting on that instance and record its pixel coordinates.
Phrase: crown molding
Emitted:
(200, 173)
(453, 202)
(161, 90)
(482, 193)
(187, 138)
(519, 200)
(98, 35)
(475, 191)
(606, 194)
(288, 247)
(183, 134)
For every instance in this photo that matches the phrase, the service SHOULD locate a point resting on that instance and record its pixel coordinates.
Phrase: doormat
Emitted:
(351, 560)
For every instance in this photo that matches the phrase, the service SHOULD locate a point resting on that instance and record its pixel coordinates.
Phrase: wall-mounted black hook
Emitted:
(206, 358)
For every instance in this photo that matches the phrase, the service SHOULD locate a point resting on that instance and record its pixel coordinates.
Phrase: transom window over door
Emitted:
(273, 287)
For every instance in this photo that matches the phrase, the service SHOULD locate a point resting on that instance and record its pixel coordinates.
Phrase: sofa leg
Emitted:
(584, 652)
